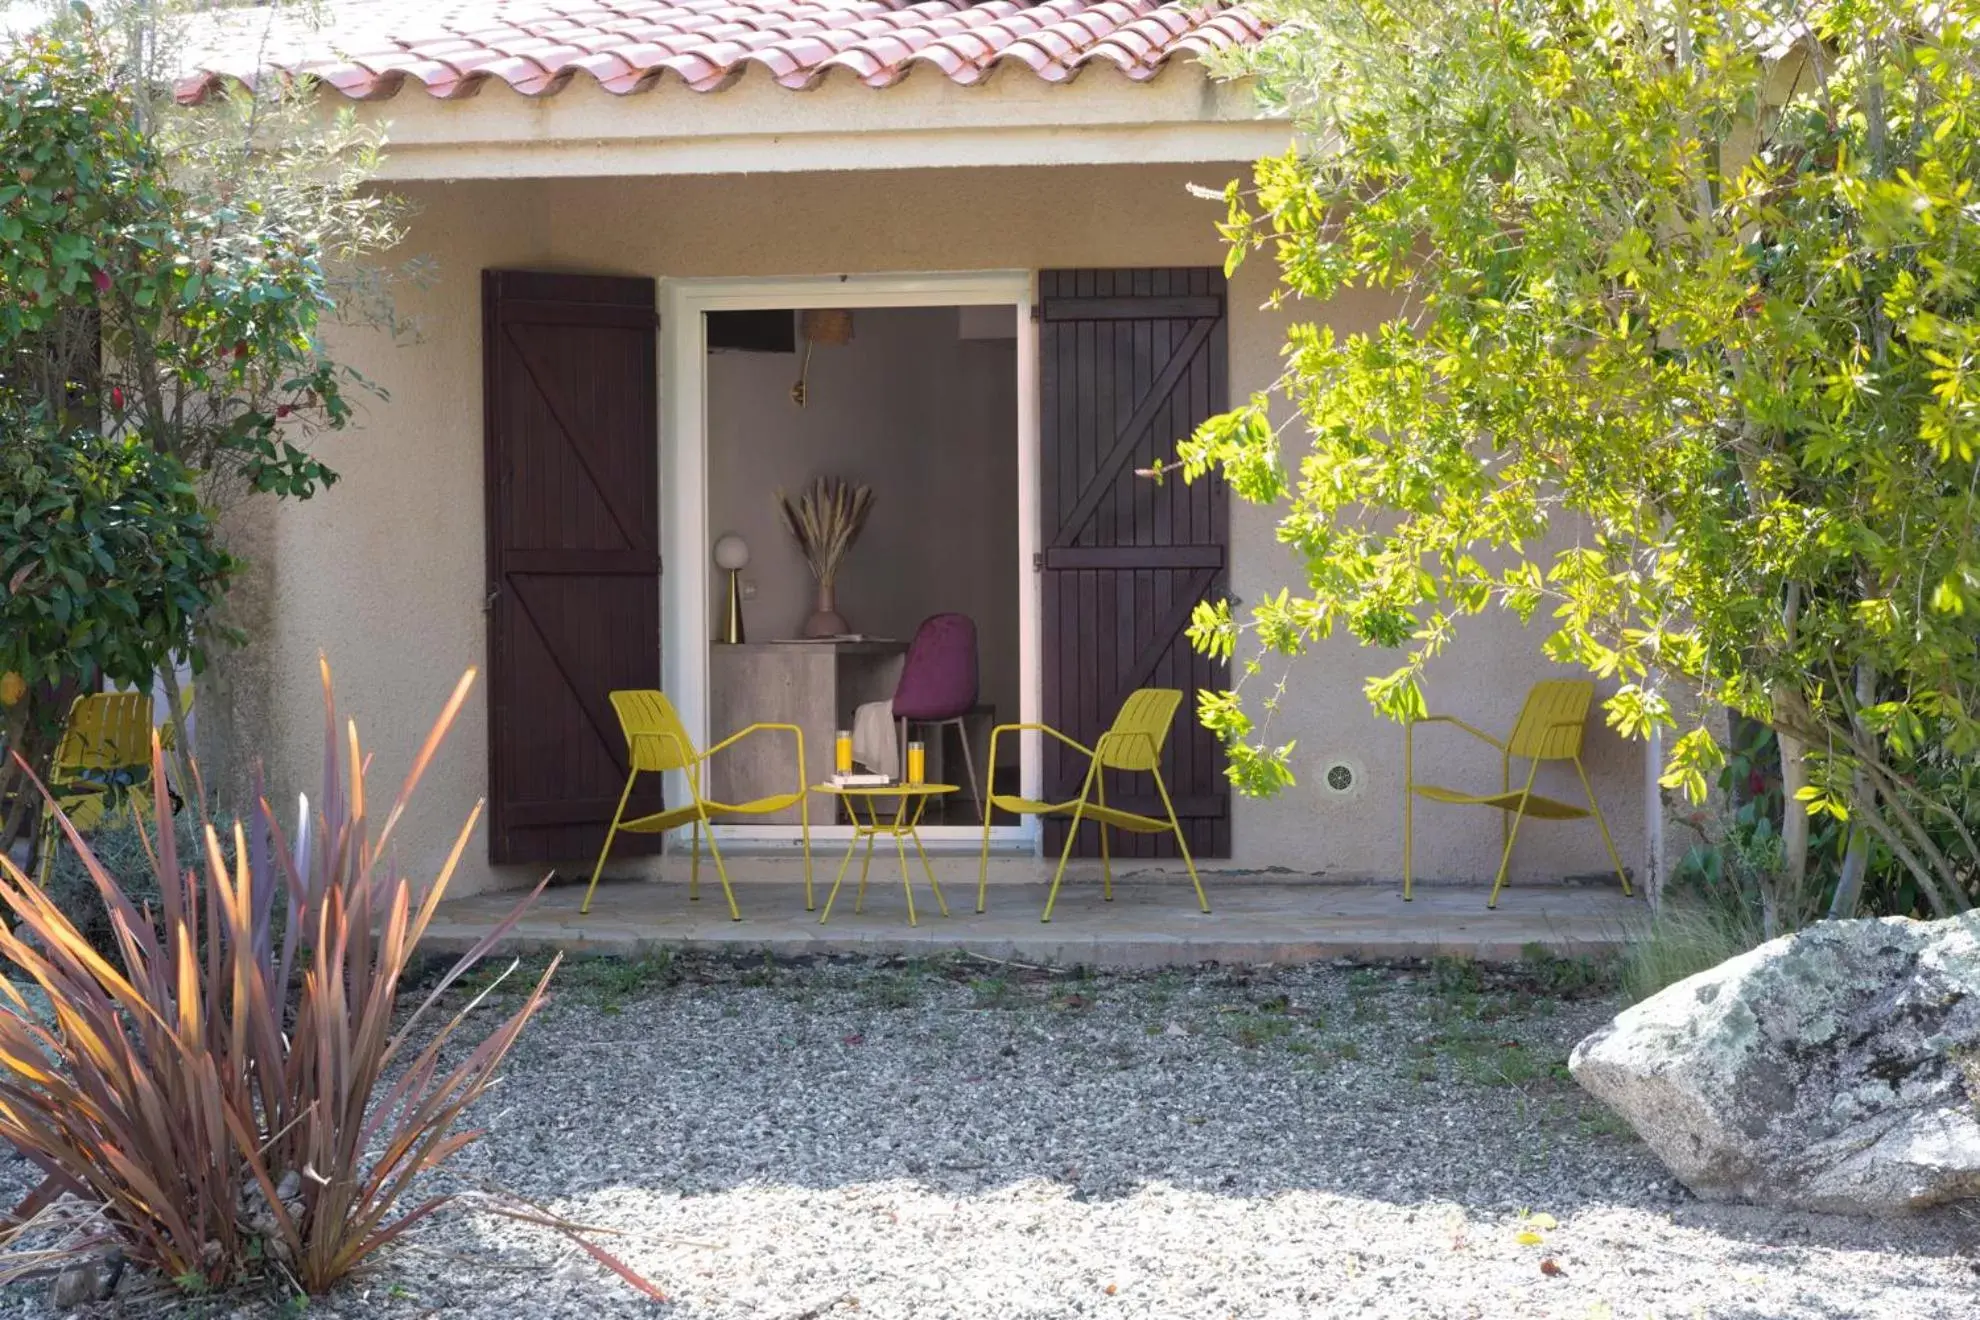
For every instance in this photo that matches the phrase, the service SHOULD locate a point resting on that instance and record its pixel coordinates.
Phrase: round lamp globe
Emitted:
(731, 552)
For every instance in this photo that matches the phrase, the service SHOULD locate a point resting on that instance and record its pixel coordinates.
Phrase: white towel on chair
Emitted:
(874, 740)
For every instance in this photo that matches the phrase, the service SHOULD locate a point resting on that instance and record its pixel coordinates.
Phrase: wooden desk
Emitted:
(814, 685)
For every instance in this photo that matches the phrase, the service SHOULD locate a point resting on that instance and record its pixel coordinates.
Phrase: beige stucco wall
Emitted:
(385, 572)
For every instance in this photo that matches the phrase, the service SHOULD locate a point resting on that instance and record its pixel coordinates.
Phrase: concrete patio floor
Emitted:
(1255, 919)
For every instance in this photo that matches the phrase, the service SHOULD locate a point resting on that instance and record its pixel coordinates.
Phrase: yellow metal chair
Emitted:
(657, 742)
(1549, 729)
(1133, 745)
(102, 763)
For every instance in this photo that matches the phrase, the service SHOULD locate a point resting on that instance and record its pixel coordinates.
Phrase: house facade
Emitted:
(1000, 196)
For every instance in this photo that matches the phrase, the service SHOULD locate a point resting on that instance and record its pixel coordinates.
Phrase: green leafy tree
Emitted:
(108, 560)
(1683, 362)
(166, 275)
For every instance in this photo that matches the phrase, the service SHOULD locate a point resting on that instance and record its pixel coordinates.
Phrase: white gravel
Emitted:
(962, 1140)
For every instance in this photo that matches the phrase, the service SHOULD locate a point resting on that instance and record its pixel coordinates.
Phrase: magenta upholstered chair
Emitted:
(938, 686)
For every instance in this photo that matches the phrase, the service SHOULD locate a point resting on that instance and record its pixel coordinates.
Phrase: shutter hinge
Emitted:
(1038, 311)
(1037, 562)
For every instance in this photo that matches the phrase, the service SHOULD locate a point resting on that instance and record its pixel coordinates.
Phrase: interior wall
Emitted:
(926, 418)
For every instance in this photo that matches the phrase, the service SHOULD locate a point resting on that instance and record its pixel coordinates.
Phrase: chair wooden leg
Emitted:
(1603, 825)
(610, 832)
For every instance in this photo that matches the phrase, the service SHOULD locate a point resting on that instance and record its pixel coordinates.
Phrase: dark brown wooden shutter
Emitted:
(1131, 362)
(570, 407)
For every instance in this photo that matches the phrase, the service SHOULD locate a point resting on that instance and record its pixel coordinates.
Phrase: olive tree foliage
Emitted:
(167, 272)
(1683, 366)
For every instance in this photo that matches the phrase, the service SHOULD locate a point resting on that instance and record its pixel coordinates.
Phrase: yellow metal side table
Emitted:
(913, 801)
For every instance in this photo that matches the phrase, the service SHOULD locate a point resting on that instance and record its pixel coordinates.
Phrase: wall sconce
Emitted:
(831, 326)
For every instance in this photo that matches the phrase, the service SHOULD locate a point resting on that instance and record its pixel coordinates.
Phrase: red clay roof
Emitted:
(368, 49)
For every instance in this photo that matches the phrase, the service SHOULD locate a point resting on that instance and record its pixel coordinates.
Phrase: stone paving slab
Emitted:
(1153, 920)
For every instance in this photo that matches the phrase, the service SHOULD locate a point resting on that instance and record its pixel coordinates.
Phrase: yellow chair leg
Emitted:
(44, 862)
(1065, 855)
(929, 867)
(833, 896)
(1409, 808)
(865, 865)
(907, 881)
(1175, 823)
(1106, 858)
(804, 825)
(1512, 833)
(722, 871)
(1072, 833)
(983, 865)
(1505, 786)
(694, 866)
(1603, 825)
(611, 832)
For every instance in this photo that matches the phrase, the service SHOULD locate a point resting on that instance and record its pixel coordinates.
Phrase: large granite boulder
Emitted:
(1822, 1071)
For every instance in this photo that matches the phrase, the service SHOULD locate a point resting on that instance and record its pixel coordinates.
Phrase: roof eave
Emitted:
(1010, 118)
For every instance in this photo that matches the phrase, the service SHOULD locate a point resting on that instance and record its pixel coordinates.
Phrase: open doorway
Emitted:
(913, 411)
(922, 400)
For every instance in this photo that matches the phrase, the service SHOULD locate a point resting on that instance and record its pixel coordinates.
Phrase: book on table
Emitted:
(860, 781)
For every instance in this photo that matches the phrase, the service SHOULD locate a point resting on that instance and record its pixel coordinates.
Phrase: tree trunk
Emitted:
(1794, 778)
(1863, 798)
(1793, 878)
(184, 767)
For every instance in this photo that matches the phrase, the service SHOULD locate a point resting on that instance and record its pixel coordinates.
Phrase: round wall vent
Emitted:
(1341, 778)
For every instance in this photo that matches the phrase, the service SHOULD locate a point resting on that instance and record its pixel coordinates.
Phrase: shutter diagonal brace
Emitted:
(1130, 434)
(608, 493)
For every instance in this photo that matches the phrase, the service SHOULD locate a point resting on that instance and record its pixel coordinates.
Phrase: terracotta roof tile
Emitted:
(368, 49)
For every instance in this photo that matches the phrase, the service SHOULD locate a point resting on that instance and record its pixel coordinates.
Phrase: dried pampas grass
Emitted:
(825, 520)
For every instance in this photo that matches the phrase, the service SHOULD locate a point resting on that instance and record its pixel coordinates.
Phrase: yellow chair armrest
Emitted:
(741, 734)
(1001, 729)
(1471, 729)
(1039, 728)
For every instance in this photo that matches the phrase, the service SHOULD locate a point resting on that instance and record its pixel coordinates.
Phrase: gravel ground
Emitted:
(965, 1140)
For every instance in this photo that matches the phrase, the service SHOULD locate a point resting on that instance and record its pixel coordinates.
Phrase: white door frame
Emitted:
(685, 599)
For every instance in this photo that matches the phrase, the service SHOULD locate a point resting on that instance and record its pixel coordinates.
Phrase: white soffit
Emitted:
(755, 126)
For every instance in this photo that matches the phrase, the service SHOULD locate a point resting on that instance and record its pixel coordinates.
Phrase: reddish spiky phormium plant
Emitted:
(241, 1093)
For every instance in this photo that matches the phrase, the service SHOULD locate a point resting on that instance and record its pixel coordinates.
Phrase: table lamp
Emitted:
(732, 554)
